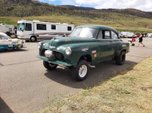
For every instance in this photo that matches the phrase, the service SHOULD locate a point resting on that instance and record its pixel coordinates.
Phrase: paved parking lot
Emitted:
(26, 86)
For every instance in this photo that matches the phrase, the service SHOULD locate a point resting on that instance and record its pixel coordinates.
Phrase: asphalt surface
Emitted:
(27, 87)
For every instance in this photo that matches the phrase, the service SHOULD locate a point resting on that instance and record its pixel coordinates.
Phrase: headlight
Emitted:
(48, 53)
(68, 51)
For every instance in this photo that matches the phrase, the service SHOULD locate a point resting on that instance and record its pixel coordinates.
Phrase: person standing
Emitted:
(141, 40)
(133, 40)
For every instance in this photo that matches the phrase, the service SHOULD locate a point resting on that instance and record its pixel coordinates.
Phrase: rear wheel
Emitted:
(33, 39)
(81, 71)
(120, 60)
(49, 66)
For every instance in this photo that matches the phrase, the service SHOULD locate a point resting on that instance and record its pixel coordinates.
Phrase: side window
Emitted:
(107, 35)
(28, 27)
(114, 35)
(100, 35)
(53, 27)
(69, 28)
(41, 26)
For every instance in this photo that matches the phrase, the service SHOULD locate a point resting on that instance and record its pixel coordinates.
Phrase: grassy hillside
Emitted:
(129, 92)
(22, 8)
(125, 19)
(118, 21)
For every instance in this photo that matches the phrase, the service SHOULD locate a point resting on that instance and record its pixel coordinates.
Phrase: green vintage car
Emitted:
(86, 46)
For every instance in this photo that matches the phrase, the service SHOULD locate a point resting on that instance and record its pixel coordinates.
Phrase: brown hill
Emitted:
(23, 8)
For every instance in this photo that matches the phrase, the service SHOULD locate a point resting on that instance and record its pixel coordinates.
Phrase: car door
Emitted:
(3, 42)
(106, 48)
(115, 40)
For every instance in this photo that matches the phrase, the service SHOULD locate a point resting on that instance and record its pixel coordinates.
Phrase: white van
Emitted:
(32, 30)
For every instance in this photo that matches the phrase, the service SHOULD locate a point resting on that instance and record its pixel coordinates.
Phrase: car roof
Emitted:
(98, 27)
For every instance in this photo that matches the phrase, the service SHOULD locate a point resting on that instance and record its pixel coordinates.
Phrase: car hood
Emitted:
(58, 41)
(15, 40)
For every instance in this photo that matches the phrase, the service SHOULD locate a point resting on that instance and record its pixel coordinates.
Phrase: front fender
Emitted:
(122, 47)
(77, 52)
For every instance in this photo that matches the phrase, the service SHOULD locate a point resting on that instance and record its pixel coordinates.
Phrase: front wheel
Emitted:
(33, 39)
(120, 60)
(49, 66)
(81, 71)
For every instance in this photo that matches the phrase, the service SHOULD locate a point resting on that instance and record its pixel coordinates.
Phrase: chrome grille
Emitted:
(58, 56)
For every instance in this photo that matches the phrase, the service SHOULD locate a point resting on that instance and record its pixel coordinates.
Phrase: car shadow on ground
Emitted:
(4, 108)
(101, 73)
(10, 51)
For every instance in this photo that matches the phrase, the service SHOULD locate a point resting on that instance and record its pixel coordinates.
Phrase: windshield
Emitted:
(84, 32)
(21, 26)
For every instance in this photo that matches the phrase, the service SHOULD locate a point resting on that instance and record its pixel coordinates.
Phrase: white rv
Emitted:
(32, 30)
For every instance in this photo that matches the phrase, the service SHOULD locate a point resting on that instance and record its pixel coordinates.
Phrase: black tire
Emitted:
(49, 66)
(79, 76)
(133, 44)
(120, 60)
(33, 39)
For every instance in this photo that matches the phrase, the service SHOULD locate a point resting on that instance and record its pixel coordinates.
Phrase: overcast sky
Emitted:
(145, 5)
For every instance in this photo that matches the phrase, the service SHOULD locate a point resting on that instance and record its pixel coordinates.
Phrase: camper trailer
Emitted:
(33, 30)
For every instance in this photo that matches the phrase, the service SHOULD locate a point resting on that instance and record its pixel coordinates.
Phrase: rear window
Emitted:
(114, 35)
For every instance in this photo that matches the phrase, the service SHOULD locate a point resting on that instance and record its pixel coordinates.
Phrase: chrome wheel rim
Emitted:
(83, 71)
(33, 39)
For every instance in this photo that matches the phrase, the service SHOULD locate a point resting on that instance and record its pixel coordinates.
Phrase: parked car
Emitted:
(149, 35)
(126, 34)
(86, 46)
(7, 43)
